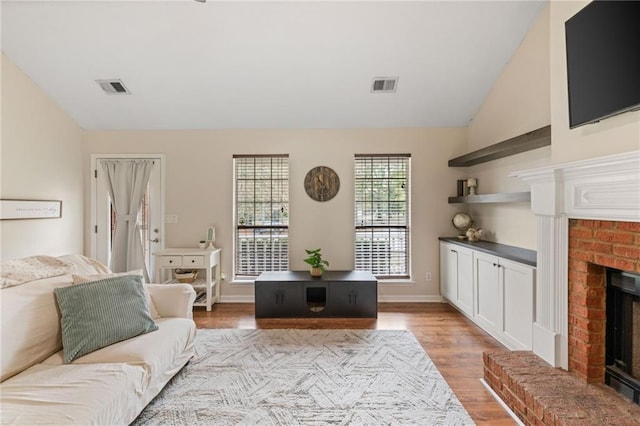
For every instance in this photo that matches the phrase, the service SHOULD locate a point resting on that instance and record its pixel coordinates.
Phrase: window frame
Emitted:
(244, 274)
(406, 227)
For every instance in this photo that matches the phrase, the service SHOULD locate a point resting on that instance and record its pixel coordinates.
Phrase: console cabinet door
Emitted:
(273, 299)
(290, 302)
(356, 299)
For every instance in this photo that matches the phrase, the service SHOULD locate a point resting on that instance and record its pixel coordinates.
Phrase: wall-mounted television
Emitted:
(603, 60)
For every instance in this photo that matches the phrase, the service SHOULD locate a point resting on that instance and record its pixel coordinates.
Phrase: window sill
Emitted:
(238, 281)
(397, 282)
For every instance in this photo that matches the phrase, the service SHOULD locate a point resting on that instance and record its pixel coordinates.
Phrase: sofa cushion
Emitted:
(30, 324)
(100, 313)
(155, 351)
(81, 279)
(30, 318)
(98, 394)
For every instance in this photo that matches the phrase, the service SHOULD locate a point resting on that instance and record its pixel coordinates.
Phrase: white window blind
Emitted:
(382, 217)
(261, 214)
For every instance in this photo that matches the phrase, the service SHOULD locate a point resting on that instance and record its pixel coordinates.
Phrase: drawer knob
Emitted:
(193, 261)
(171, 261)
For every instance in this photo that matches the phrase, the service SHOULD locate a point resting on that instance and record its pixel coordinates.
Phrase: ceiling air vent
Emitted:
(113, 87)
(384, 84)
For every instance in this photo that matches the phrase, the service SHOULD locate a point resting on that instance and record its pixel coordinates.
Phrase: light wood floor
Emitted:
(453, 342)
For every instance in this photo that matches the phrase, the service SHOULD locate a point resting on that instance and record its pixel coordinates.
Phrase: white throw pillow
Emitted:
(81, 279)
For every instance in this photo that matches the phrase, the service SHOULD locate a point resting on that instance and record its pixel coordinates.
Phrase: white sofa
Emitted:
(110, 386)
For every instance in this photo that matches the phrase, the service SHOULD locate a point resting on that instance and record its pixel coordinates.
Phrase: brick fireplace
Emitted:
(588, 219)
(594, 245)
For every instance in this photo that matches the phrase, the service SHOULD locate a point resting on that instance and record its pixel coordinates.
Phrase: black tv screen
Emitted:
(603, 60)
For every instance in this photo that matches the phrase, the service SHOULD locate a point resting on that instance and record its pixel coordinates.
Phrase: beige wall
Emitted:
(611, 136)
(517, 103)
(519, 100)
(200, 180)
(41, 158)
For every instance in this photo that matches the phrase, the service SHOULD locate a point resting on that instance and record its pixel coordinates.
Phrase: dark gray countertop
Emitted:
(517, 254)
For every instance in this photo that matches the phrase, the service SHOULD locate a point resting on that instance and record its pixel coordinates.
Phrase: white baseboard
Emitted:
(237, 299)
(409, 299)
(502, 403)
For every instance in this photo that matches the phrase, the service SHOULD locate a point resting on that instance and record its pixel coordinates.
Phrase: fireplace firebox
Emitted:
(622, 371)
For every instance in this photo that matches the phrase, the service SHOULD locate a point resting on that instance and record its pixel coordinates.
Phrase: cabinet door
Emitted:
(274, 299)
(290, 300)
(465, 280)
(489, 295)
(518, 288)
(448, 272)
(267, 297)
(355, 299)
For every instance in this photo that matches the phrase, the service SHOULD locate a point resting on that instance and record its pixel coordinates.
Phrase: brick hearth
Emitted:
(543, 395)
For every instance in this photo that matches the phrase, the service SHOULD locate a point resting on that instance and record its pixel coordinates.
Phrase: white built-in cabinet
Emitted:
(494, 292)
(457, 276)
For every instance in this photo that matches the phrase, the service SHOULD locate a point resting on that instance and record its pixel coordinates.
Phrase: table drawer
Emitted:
(194, 261)
(171, 261)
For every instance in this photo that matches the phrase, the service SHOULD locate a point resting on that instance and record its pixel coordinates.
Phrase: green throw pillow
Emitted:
(100, 313)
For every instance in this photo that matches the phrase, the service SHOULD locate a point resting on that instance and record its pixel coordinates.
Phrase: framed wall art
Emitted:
(30, 209)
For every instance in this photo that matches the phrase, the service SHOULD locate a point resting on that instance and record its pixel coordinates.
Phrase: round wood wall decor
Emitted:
(322, 183)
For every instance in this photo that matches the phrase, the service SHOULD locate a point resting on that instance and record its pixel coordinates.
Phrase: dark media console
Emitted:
(296, 294)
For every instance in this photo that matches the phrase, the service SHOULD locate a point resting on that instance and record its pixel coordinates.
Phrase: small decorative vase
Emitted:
(202, 245)
(474, 234)
(316, 272)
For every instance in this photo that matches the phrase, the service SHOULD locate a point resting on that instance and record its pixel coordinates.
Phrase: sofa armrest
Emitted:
(173, 300)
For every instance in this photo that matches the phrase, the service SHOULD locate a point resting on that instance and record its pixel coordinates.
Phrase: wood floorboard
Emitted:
(453, 342)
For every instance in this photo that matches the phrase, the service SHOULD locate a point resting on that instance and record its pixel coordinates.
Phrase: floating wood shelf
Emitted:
(506, 197)
(526, 142)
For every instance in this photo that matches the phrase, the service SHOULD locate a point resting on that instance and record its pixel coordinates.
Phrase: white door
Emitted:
(151, 214)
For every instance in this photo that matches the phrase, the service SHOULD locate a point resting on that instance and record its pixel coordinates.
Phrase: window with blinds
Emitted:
(382, 217)
(261, 214)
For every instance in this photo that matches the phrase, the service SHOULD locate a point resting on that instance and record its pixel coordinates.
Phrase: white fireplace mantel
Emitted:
(605, 188)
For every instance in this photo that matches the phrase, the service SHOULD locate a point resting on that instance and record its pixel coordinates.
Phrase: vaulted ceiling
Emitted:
(265, 64)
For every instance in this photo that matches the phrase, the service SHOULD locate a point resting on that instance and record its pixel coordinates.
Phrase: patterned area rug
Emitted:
(306, 377)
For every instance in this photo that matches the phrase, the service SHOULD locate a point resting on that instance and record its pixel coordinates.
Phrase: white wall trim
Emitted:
(409, 299)
(605, 188)
(237, 299)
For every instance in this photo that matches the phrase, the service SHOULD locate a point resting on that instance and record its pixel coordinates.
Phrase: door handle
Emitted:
(155, 240)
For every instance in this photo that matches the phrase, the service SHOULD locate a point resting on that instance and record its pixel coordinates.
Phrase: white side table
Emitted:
(207, 287)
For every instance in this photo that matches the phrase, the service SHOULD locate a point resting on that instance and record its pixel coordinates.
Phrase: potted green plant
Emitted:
(316, 262)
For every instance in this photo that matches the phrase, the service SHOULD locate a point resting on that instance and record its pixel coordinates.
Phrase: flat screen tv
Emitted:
(603, 61)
